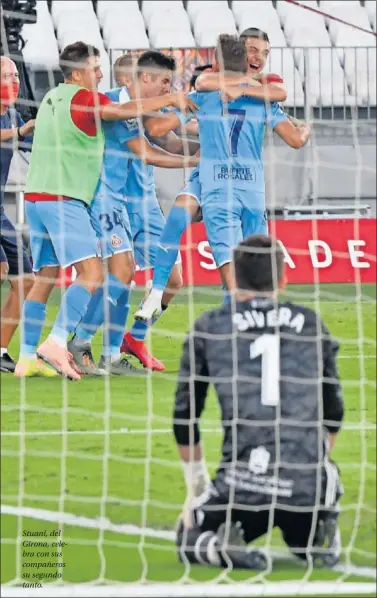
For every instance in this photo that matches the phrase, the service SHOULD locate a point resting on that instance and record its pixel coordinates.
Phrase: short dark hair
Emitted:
(255, 32)
(231, 53)
(74, 55)
(153, 60)
(259, 264)
(198, 70)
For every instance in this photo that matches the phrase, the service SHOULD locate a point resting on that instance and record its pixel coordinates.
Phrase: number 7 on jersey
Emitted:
(268, 346)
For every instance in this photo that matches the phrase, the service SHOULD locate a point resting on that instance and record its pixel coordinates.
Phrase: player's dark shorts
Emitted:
(300, 526)
(12, 250)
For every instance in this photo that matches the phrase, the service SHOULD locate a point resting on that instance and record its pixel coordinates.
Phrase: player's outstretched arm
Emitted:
(294, 136)
(135, 108)
(156, 156)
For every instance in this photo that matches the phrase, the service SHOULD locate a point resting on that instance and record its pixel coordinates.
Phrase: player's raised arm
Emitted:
(140, 107)
(333, 405)
(190, 399)
(156, 156)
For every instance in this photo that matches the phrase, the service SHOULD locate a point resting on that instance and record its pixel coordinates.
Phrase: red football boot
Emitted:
(139, 349)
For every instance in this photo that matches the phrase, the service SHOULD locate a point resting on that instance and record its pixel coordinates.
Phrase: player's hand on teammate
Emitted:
(193, 160)
(181, 101)
(28, 128)
(232, 92)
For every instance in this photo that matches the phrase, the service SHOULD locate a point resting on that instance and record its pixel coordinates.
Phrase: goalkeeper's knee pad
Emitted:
(226, 548)
(196, 546)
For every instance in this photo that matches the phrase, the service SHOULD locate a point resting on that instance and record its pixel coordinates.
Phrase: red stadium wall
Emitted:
(323, 251)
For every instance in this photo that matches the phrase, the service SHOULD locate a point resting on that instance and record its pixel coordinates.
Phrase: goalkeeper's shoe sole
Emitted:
(139, 349)
(59, 359)
(30, 368)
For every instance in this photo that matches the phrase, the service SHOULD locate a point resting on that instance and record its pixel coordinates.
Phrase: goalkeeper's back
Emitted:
(273, 366)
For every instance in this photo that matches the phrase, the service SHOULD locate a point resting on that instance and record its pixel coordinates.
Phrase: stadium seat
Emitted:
(61, 11)
(370, 7)
(41, 48)
(123, 31)
(280, 61)
(267, 21)
(311, 31)
(240, 6)
(103, 6)
(330, 4)
(292, 12)
(151, 7)
(126, 39)
(211, 6)
(165, 19)
(360, 69)
(209, 25)
(172, 38)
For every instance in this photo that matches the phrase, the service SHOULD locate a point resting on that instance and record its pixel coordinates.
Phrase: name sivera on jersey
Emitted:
(273, 318)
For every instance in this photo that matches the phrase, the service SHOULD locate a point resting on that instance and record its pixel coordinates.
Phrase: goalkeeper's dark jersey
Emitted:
(274, 370)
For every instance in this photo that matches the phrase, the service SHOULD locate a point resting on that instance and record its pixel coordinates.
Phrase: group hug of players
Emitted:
(91, 203)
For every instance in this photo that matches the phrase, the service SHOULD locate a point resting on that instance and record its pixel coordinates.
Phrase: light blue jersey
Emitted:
(231, 170)
(108, 211)
(231, 141)
(117, 157)
(140, 187)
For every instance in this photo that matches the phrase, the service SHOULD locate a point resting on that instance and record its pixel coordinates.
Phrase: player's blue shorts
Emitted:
(147, 226)
(229, 222)
(193, 188)
(60, 233)
(12, 250)
(110, 220)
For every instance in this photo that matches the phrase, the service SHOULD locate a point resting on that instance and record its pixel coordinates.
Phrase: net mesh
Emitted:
(92, 484)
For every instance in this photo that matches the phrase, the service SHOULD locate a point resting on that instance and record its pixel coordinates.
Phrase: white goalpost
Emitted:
(92, 483)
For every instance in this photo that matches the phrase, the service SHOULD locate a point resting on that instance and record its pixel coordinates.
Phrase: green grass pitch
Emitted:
(103, 448)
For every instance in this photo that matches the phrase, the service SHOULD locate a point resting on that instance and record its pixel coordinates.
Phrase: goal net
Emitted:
(92, 484)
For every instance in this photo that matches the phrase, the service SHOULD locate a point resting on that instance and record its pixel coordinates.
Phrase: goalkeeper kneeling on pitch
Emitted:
(273, 366)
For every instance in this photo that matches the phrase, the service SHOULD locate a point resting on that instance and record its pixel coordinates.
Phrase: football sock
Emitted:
(226, 294)
(88, 327)
(118, 314)
(167, 251)
(140, 327)
(33, 317)
(96, 313)
(73, 308)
